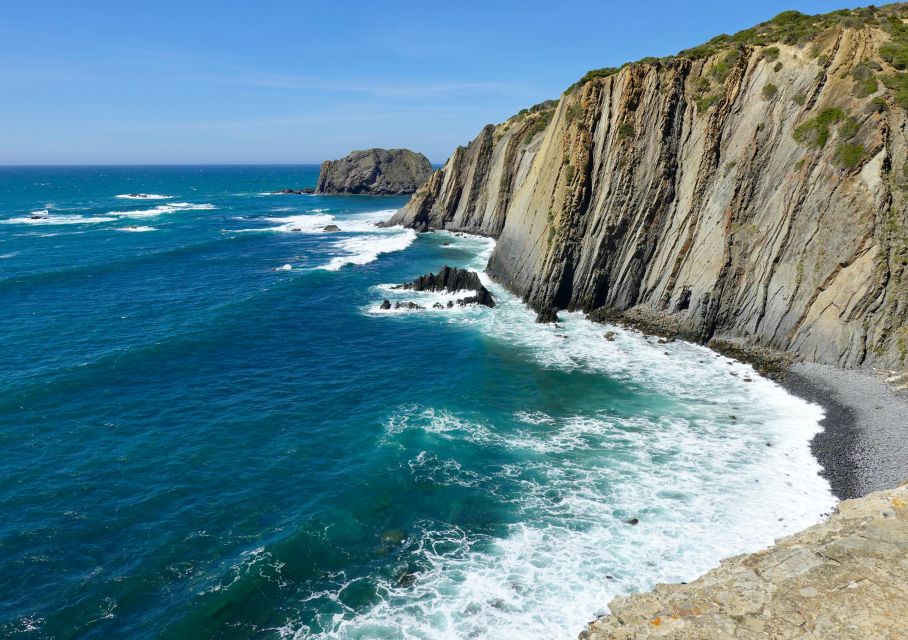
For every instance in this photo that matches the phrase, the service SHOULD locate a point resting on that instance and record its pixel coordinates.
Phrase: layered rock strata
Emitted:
(757, 195)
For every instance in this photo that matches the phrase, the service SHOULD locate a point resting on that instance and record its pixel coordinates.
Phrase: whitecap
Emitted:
(137, 229)
(162, 209)
(364, 249)
(38, 219)
(143, 196)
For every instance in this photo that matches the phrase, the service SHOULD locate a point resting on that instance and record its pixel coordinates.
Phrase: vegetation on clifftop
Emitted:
(797, 29)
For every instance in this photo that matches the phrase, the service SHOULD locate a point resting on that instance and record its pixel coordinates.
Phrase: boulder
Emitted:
(375, 172)
(331, 227)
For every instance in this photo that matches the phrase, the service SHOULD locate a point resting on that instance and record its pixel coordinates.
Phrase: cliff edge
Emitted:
(378, 172)
(846, 578)
(752, 190)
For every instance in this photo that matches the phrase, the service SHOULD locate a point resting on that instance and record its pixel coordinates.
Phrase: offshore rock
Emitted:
(453, 279)
(846, 578)
(374, 172)
(683, 197)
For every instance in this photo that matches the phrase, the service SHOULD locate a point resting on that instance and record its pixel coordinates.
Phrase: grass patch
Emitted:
(815, 132)
(897, 83)
(777, 67)
(543, 118)
(799, 99)
(573, 112)
(849, 156)
(769, 91)
(705, 102)
(625, 130)
(770, 53)
(849, 128)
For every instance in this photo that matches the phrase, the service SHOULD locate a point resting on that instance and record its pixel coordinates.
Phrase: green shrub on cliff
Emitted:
(625, 130)
(815, 132)
(769, 91)
(543, 118)
(897, 83)
(849, 128)
(849, 156)
(770, 53)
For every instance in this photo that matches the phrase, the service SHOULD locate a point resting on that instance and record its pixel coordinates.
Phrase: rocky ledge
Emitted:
(378, 172)
(846, 578)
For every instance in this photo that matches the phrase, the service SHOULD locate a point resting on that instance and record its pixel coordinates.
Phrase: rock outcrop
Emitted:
(747, 190)
(379, 172)
(453, 279)
(846, 578)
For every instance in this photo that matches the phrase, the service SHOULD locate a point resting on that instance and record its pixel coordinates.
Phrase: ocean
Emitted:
(209, 428)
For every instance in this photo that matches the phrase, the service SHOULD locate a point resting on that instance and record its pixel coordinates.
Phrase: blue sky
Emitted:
(296, 82)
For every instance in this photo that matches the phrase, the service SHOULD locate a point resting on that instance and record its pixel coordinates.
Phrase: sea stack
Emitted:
(377, 172)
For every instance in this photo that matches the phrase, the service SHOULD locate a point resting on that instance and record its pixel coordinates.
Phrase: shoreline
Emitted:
(863, 445)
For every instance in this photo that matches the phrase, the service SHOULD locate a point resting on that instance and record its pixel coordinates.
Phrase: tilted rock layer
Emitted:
(846, 578)
(375, 172)
(759, 196)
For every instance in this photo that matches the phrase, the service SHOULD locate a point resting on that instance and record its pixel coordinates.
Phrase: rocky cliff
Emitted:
(374, 172)
(843, 579)
(754, 189)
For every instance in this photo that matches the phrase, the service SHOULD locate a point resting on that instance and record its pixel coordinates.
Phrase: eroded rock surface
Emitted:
(846, 578)
(759, 193)
(374, 172)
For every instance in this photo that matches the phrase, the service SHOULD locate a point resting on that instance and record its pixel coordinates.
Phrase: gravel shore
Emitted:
(864, 444)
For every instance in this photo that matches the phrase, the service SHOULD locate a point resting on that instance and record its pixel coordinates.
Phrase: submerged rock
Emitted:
(331, 227)
(296, 192)
(375, 172)
(453, 279)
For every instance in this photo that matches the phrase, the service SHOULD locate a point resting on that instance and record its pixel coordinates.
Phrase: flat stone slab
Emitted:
(846, 578)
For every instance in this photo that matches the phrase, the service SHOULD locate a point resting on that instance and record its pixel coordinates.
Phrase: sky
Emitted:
(187, 82)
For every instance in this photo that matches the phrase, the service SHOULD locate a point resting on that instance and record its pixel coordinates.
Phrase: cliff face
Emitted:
(758, 194)
(375, 172)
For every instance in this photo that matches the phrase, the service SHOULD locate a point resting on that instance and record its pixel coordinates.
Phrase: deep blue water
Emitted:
(209, 430)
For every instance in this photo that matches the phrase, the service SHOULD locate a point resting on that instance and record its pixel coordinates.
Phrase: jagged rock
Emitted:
(844, 578)
(406, 305)
(788, 252)
(385, 305)
(547, 314)
(453, 279)
(331, 227)
(374, 172)
(297, 192)
(438, 305)
(610, 336)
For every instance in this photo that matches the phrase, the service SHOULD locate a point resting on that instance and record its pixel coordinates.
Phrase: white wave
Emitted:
(143, 196)
(719, 464)
(364, 249)
(137, 229)
(42, 217)
(284, 267)
(162, 209)
(425, 299)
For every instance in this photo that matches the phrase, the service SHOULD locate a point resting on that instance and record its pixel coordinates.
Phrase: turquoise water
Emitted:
(210, 430)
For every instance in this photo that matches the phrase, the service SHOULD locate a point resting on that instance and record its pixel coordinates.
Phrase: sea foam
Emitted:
(162, 209)
(723, 468)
